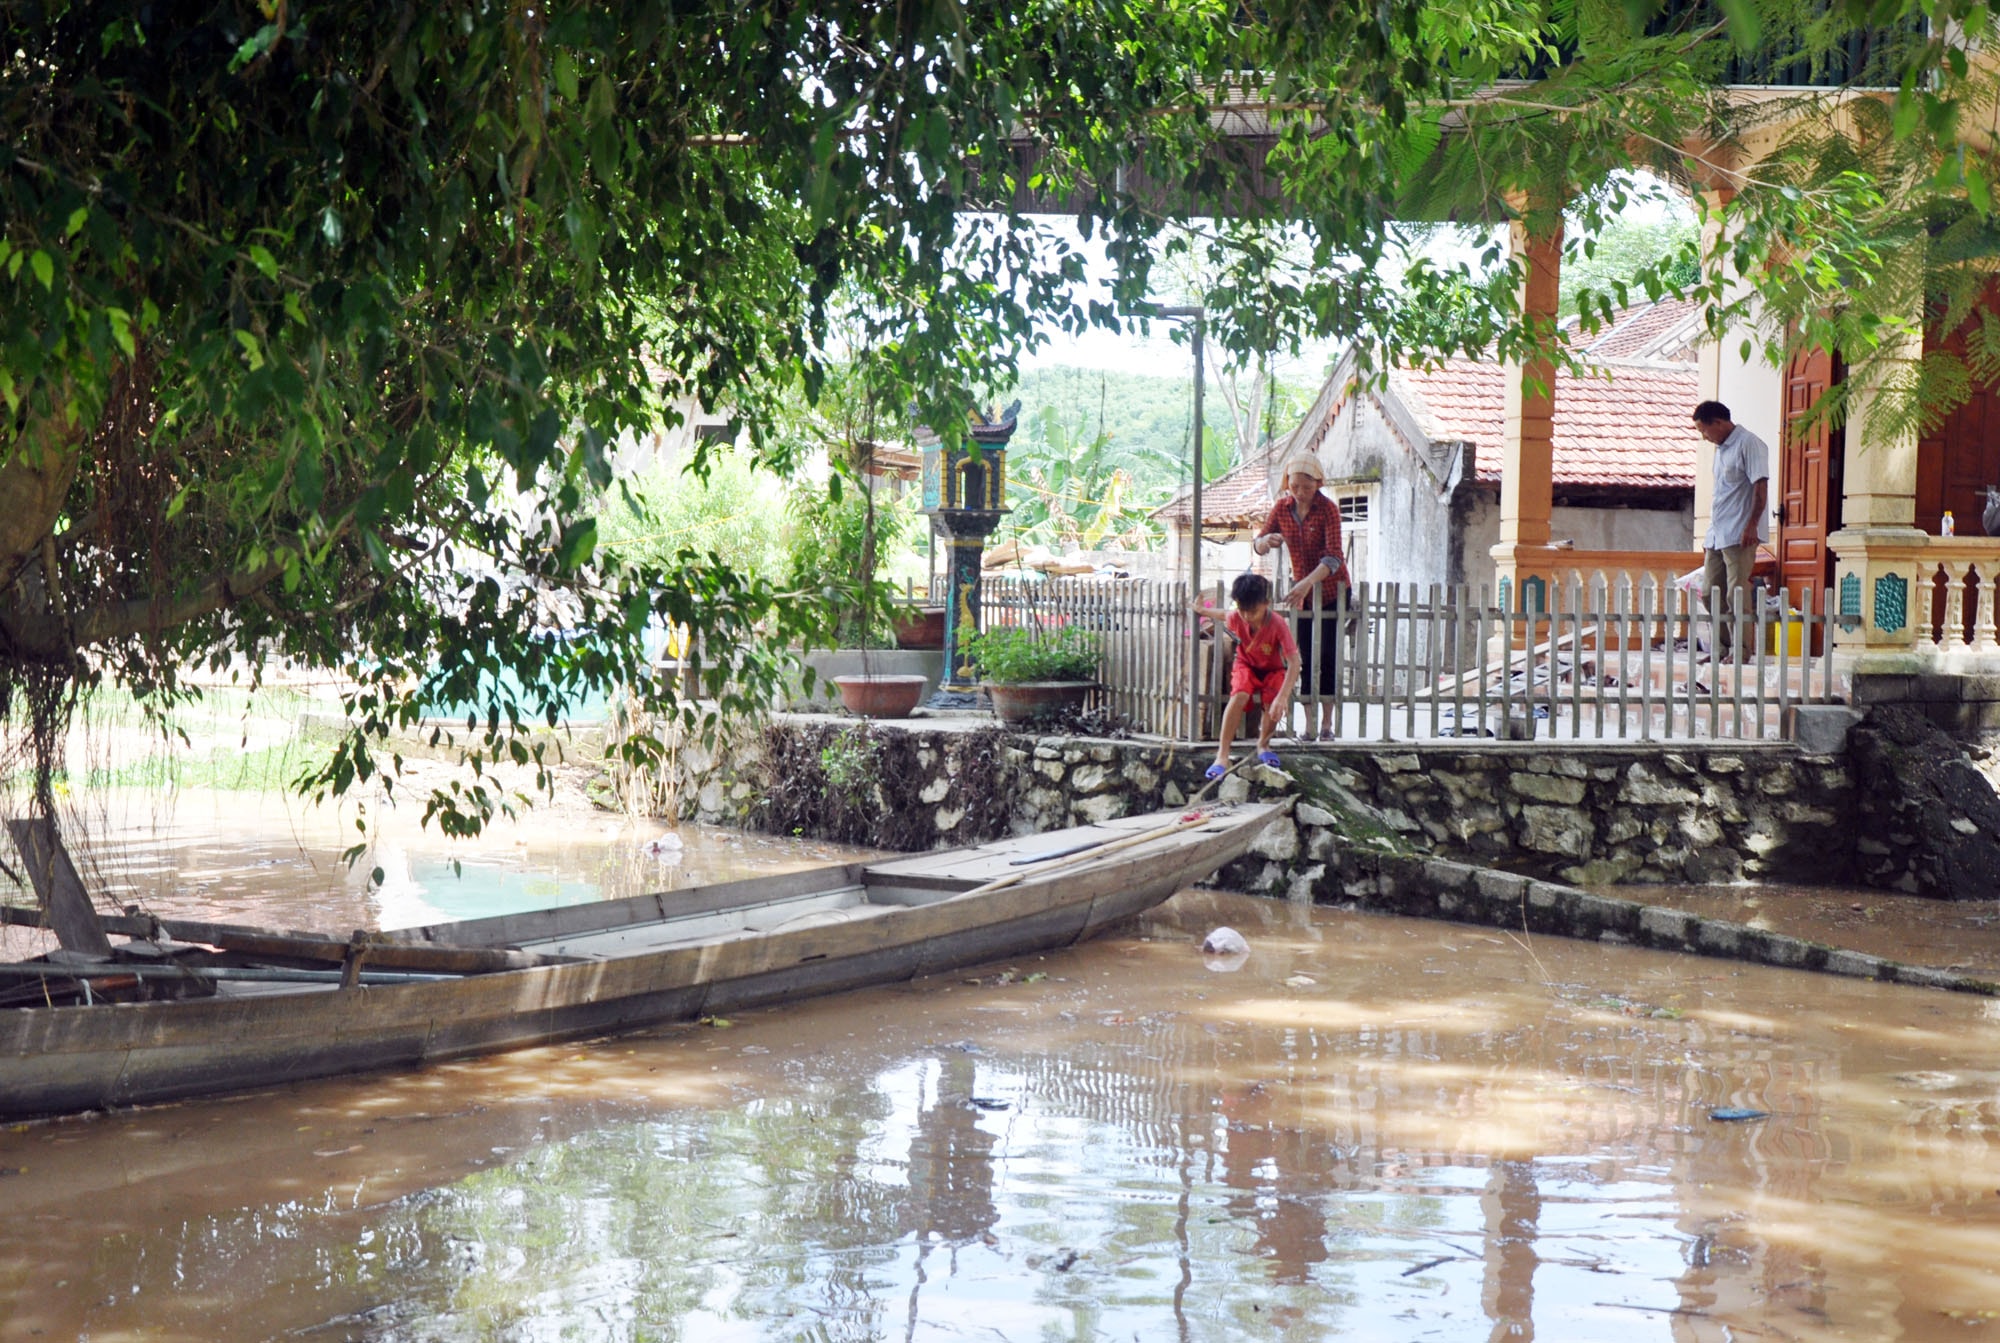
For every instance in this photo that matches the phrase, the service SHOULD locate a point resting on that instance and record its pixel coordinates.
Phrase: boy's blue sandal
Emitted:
(1268, 758)
(1217, 771)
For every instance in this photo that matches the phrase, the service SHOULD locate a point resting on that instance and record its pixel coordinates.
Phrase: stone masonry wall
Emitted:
(1593, 815)
(1968, 707)
(1438, 889)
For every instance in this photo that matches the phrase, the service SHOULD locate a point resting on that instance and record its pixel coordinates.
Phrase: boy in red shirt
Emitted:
(1267, 667)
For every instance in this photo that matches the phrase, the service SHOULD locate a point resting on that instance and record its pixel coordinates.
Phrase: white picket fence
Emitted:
(1630, 663)
(1628, 659)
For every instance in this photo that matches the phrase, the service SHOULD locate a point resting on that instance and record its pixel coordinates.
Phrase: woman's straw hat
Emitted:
(1305, 464)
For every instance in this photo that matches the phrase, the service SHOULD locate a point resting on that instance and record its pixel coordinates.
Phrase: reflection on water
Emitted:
(1376, 1129)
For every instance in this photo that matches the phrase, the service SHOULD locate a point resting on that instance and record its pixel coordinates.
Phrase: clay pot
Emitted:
(880, 695)
(1026, 702)
(920, 628)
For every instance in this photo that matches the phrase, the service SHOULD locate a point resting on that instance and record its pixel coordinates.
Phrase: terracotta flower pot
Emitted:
(920, 628)
(1026, 702)
(880, 695)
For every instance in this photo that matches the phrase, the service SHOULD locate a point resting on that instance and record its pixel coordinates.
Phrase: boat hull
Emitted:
(65, 1059)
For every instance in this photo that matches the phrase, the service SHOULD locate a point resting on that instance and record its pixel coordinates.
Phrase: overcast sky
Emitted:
(1159, 355)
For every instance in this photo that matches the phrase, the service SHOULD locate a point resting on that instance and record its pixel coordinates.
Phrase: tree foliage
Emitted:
(732, 513)
(1609, 265)
(1070, 487)
(316, 322)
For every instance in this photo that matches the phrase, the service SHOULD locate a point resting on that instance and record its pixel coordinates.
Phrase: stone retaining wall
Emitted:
(1589, 814)
(1435, 888)
(1965, 706)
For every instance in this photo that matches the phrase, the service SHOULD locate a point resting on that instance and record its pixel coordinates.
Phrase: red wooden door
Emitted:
(1959, 458)
(1957, 461)
(1809, 469)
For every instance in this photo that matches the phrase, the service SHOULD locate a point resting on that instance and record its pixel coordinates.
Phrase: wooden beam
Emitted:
(59, 888)
(380, 954)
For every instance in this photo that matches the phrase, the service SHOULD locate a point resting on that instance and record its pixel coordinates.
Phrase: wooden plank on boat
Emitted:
(375, 952)
(59, 888)
(377, 949)
(983, 861)
(1088, 856)
(548, 925)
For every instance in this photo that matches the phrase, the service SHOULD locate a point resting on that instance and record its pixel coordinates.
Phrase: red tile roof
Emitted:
(1240, 496)
(1668, 329)
(1630, 428)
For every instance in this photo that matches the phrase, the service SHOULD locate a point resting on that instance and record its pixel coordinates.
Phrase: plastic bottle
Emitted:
(1948, 527)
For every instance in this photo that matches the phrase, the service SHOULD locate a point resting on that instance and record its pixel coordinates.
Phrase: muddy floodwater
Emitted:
(1372, 1128)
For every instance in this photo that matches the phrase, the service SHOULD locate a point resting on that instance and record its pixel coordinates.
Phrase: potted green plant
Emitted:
(838, 548)
(1034, 675)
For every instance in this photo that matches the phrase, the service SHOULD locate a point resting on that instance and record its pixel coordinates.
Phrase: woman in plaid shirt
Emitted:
(1307, 523)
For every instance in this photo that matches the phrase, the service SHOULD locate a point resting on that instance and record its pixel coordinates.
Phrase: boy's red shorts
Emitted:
(1265, 685)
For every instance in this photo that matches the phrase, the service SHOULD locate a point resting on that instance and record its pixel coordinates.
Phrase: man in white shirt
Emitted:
(1739, 516)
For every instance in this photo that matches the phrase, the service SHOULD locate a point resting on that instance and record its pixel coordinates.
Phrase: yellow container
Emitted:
(1791, 636)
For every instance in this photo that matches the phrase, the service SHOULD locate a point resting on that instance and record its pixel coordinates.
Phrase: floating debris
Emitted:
(1733, 1115)
(1225, 941)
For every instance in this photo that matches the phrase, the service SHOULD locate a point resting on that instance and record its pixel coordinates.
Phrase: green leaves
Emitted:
(257, 44)
(1746, 24)
(578, 544)
(121, 330)
(563, 68)
(253, 349)
(400, 286)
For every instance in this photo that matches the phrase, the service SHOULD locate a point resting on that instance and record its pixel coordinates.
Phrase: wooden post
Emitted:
(1527, 447)
(59, 888)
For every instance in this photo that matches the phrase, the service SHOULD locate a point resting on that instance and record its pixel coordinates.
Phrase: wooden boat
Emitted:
(232, 1008)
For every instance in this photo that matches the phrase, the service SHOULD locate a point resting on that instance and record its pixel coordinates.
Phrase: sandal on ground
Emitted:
(1215, 772)
(1268, 758)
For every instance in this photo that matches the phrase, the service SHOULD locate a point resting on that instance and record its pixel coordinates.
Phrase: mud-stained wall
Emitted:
(1594, 815)
(1435, 888)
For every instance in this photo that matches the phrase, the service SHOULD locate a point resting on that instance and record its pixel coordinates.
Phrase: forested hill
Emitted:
(1137, 410)
(1146, 414)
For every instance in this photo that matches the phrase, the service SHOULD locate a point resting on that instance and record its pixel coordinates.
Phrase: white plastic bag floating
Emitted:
(1225, 941)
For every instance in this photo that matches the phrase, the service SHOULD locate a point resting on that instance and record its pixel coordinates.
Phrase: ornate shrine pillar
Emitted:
(965, 492)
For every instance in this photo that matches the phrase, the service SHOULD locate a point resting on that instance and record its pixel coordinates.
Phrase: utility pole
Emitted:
(1199, 316)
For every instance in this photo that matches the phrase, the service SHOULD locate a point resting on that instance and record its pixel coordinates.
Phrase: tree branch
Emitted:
(142, 615)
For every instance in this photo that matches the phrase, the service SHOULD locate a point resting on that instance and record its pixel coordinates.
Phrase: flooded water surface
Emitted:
(1373, 1129)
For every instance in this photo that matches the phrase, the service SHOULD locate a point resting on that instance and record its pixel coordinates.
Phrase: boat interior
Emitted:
(165, 958)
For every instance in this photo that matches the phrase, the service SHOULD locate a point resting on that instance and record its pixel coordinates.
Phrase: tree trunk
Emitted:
(35, 476)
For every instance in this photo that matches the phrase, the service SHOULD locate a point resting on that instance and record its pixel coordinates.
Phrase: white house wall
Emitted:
(1588, 528)
(1624, 528)
(1409, 525)
(1480, 531)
